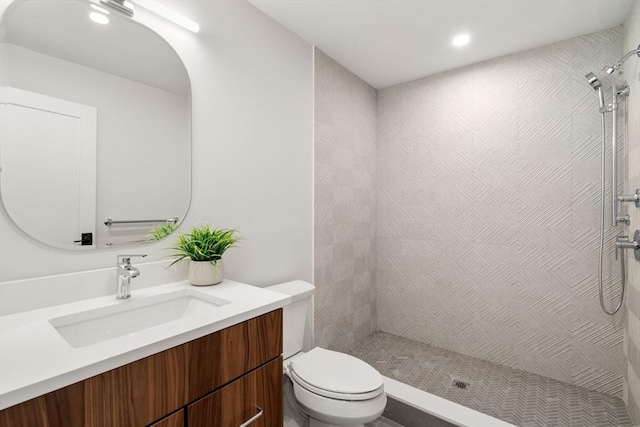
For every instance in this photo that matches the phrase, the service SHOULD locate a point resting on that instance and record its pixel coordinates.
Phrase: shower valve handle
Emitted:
(623, 242)
(620, 241)
(634, 198)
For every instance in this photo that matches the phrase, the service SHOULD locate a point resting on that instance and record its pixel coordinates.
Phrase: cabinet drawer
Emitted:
(257, 395)
(218, 358)
(144, 391)
(173, 420)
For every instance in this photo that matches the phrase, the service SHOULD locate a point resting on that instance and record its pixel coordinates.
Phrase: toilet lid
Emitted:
(336, 372)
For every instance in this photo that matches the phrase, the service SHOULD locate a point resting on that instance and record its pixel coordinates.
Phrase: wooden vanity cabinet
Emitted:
(211, 377)
(173, 420)
(255, 396)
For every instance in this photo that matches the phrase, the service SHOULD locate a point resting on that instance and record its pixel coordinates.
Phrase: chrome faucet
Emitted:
(126, 272)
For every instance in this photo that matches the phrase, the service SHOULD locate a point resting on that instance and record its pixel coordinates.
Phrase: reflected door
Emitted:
(48, 152)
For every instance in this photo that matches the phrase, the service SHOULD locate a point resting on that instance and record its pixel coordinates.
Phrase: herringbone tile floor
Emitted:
(382, 422)
(511, 395)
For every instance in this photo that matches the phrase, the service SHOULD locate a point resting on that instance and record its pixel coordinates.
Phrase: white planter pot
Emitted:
(204, 273)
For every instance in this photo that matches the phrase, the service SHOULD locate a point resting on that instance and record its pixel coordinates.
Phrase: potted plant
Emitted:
(204, 246)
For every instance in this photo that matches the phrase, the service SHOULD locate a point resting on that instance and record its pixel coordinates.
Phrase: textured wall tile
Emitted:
(345, 214)
(632, 74)
(555, 365)
(545, 98)
(493, 185)
(633, 306)
(595, 47)
(603, 358)
(510, 165)
(595, 379)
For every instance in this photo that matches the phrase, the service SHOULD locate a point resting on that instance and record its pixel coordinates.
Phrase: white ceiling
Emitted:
(386, 42)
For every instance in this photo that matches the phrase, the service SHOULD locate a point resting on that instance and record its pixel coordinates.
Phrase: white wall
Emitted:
(252, 88)
(138, 159)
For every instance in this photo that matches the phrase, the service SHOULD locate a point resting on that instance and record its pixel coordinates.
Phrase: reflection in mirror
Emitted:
(96, 125)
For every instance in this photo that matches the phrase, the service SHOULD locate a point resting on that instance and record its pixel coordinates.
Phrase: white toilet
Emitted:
(333, 389)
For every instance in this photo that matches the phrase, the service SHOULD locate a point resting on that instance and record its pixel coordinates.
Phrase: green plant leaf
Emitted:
(204, 244)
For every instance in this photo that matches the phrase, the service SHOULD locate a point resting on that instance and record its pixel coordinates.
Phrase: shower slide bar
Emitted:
(616, 93)
(616, 218)
(109, 222)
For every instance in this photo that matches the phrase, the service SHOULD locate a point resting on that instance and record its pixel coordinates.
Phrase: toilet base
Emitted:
(324, 412)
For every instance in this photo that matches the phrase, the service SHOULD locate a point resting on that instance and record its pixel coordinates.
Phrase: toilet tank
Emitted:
(297, 317)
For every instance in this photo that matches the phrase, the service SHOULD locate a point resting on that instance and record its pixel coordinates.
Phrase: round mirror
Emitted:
(95, 148)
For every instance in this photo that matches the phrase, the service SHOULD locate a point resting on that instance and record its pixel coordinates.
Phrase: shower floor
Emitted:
(515, 396)
(382, 422)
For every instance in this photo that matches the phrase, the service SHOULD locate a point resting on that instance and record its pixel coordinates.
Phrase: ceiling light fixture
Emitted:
(122, 6)
(99, 18)
(461, 39)
(169, 14)
(100, 9)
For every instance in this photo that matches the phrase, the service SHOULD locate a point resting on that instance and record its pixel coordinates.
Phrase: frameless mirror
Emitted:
(95, 143)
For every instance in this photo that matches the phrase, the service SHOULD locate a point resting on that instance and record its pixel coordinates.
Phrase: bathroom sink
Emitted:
(129, 316)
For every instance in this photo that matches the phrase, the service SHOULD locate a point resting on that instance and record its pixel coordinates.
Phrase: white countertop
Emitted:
(35, 359)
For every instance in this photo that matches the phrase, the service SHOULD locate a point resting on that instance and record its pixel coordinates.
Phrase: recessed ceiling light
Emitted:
(461, 39)
(100, 9)
(99, 18)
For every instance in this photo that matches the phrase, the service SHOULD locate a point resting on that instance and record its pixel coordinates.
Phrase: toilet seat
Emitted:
(336, 375)
(336, 395)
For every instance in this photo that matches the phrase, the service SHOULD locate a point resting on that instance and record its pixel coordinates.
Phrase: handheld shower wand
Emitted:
(595, 84)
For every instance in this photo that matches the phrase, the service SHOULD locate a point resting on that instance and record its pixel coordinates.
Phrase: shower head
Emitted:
(593, 81)
(610, 69)
(597, 86)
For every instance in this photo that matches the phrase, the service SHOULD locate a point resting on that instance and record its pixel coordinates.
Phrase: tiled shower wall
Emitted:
(487, 213)
(345, 161)
(632, 322)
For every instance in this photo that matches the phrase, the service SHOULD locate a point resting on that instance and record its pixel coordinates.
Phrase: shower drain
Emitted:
(463, 385)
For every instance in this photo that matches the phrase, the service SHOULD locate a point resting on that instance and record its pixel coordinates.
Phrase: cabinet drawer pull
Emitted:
(254, 418)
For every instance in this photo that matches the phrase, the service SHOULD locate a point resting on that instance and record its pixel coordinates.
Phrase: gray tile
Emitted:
(345, 212)
(383, 422)
(632, 68)
(502, 155)
(512, 395)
